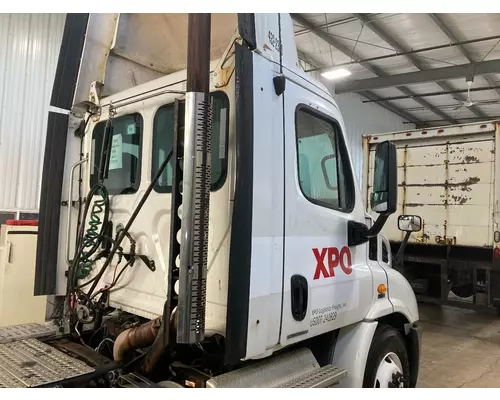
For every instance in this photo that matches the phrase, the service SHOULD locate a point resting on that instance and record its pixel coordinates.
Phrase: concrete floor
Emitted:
(460, 348)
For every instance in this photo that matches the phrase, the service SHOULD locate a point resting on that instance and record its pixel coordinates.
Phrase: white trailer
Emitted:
(447, 176)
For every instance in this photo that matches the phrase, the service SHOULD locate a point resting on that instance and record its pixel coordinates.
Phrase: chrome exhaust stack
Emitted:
(196, 181)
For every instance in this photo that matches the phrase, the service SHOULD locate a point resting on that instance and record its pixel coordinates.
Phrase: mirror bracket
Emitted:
(358, 233)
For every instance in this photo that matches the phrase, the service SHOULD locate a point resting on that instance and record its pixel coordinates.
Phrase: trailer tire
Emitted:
(388, 364)
(463, 291)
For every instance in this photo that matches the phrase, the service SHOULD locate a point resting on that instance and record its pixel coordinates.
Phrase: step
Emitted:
(31, 363)
(26, 331)
(323, 377)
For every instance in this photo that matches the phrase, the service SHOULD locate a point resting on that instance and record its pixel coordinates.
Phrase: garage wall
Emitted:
(29, 49)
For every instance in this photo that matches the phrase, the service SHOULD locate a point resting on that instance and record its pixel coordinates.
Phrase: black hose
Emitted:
(83, 241)
(131, 220)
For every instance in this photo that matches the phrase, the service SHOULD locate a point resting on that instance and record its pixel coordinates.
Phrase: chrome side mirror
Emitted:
(409, 223)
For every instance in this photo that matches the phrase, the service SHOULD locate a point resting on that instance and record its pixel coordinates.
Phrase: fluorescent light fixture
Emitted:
(336, 73)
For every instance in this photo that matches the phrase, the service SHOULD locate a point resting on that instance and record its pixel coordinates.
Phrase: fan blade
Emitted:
(488, 102)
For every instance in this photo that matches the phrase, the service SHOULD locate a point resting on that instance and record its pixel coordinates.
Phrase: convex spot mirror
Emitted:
(384, 196)
(409, 223)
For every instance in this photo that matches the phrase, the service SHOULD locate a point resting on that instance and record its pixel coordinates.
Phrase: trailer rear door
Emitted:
(449, 182)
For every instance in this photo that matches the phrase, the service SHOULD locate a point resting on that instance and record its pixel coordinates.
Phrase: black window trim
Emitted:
(341, 149)
(373, 249)
(219, 184)
(385, 247)
(139, 163)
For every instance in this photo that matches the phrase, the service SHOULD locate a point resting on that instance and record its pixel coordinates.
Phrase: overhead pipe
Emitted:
(480, 89)
(404, 53)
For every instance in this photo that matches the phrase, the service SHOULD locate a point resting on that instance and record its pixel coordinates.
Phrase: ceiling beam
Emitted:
(334, 43)
(446, 30)
(432, 94)
(412, 58)
(410, 78)
(396, 110)
(413, 51)
(373, 69)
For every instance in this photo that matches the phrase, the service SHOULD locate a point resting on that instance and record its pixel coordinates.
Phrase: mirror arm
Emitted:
(378, 225)
(399, 257)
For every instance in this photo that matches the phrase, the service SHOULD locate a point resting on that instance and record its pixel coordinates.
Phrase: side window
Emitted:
(163, 140)
(324, 173)
(125, 161)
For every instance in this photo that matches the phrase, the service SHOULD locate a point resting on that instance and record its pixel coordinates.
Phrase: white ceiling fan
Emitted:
(469, 103)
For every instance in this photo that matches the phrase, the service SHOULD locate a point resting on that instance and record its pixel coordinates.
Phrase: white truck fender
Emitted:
(401, 295)
(400, 298)
(351, 352)
(381, 305)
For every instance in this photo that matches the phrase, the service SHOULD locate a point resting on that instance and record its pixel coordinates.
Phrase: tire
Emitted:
(463, 291)
(382, 369)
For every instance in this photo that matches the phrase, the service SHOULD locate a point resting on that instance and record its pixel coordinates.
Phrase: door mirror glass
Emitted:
(409, 223)
(384, 196)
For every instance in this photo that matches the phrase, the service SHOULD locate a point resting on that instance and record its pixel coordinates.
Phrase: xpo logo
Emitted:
(334, 258)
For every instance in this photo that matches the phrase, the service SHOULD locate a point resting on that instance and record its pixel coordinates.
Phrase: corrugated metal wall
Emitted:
(363, 119)
(29, 49)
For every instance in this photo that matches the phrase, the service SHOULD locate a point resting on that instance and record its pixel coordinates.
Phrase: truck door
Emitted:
(326, 284)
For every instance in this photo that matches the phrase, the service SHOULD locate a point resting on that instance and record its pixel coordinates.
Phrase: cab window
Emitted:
(163, 141)
(124, 174)
(324, 173)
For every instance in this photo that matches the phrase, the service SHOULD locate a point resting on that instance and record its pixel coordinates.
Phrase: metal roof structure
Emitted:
(416, 65)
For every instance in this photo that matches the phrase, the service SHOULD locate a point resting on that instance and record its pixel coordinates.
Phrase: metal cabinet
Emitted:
(18, 305)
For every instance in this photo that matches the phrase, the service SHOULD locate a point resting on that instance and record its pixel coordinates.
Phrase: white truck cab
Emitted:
(289, 272)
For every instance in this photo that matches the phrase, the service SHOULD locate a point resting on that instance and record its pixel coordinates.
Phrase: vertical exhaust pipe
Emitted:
(195, 185)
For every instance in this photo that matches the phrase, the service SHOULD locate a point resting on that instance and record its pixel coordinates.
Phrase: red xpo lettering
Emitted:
(334, 259)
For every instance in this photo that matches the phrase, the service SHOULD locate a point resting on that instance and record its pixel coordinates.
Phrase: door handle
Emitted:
(8, 252)
(299, 293)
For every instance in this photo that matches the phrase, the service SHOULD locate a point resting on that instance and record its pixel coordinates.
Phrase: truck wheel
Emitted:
(387, 365)
(463, 291)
